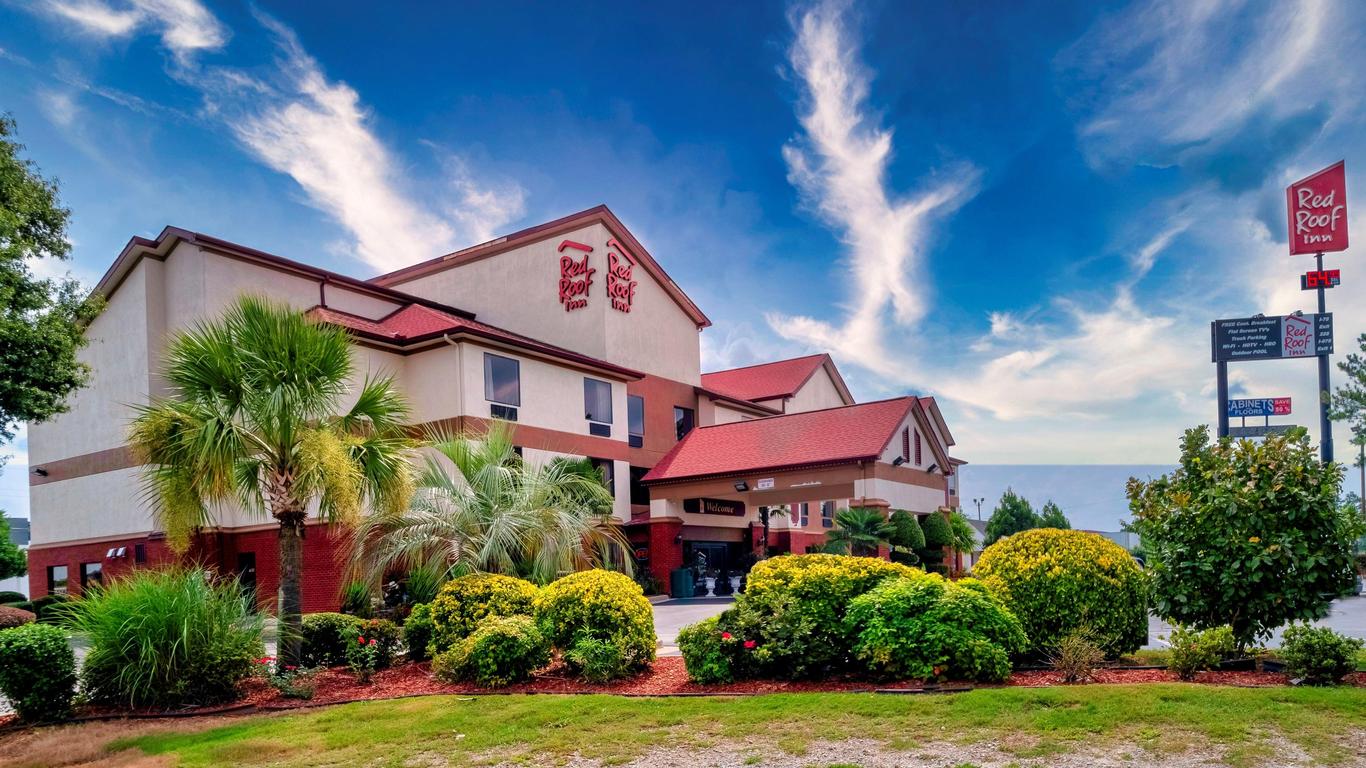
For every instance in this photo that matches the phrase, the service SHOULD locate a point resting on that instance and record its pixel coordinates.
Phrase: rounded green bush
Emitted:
(597, 661)
(14, 617)
(704, 652)
(7, 597)
(502, 650)
(466, 601)
(1057, 582)
(417, 632)
(928, 628)
(166, 638)
(325, 637)
(49, 608)
(599, 605)
(1318, 655)
(793, 611)
(37, 672)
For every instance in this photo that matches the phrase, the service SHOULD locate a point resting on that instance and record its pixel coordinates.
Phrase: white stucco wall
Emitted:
(104, 504)
(818, 392)
(916, 498)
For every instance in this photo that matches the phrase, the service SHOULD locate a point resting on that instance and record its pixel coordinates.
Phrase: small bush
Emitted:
(1077, 657)
(325, 638)
(1196, 651)
(14, 617)
(794, 610)
(465, 602)
(388, 639)
(417, 632)
(1058, 581)
(50, 608)
(503, 650)
(7, 597)
(929, 628)
(166, 638)
(704, 653)
(291, 682)
(598, 605)
(1318, 655)
(363, 656)
(37, 672)
(597, 661)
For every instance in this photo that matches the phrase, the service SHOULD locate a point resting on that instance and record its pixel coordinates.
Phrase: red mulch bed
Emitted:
(666, 677)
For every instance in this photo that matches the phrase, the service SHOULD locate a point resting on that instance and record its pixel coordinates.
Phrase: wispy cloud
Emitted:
(296, 120)
(840, 165)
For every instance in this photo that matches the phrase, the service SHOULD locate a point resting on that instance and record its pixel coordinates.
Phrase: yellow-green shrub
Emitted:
(503, 650)
(464, 602)
(598, 605)
(1057, 582)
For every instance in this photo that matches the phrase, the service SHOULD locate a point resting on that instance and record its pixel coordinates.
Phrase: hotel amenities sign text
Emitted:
(1272, 338)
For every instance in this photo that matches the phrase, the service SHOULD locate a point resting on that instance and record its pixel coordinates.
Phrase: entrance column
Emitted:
(666, 548)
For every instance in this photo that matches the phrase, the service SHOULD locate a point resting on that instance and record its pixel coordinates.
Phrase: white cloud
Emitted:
(839, 164)
(59, 106)
(185, 26)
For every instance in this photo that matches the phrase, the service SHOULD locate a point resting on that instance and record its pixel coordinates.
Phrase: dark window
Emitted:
(504, 412)
(597, 401)
(684, 421)
(635, 419)
(827, 514)
(56, 579)
(139, 553)
(906, 443)
(917, 447)
(639, 493)
(803, 514)
(607, 468)
(502, 379)
(92, 574)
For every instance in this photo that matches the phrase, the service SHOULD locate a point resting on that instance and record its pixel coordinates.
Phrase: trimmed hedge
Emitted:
(417, 632)
(15, 617)
(466, 601)
(8, 597)
(503, 650)
(1318, 655)
(37, 672)
(928, 628)
(326, 638)
(1057, 582)
(597, 605)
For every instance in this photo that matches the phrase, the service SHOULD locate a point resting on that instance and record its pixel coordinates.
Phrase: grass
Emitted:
(1029, 723)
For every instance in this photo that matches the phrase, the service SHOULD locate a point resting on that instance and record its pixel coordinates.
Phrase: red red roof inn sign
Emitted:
(1317, 208)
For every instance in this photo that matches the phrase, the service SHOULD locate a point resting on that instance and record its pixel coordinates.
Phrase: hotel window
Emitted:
(502, 380)
(639, 493)
(917, 448)
(827, 514)
(803, 514)
(597, 407)
(56, 579)
(92, 574)
(684, 421)
(635, 419)
(606, 468)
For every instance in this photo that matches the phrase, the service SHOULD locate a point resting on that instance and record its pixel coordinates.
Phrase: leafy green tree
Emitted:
(1245, 534)
(1012, 515)
(1051, 516)
(1349, 405)
(13, 560)
(938, 535)
(906, 535)
(478, 509)
(252, 419)
(964, 535)
(858, 531)
(42, 322)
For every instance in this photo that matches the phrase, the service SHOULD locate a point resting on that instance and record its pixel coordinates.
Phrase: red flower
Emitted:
(360, 640)
(290, 668)
(725, 635)
(749, 644)
(372, 641)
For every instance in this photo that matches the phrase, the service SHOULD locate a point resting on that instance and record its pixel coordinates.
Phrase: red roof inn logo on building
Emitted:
(1318, 211)
(576, 277)
(621, 289)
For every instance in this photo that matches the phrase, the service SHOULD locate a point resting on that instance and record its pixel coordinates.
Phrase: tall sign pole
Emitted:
(1316, 213)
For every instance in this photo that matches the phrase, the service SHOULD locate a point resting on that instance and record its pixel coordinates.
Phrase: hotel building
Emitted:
(571, 331)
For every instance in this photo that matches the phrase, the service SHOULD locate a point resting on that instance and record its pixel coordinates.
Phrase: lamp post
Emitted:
(978, 502)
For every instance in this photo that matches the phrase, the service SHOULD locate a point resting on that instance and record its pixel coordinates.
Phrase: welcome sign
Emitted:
(1317, 207)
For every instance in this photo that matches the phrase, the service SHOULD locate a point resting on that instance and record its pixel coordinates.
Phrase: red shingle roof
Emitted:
(831, 436)
(765, 381)
(415, 322)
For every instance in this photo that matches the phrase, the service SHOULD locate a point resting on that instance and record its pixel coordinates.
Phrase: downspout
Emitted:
(459, 377)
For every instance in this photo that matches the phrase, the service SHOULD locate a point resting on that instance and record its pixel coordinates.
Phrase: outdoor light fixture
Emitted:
(40, 472)
(742, 486)
(898, 461)
(932, 468)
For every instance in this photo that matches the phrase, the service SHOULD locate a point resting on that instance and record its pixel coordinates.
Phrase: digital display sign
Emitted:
(1321, 278)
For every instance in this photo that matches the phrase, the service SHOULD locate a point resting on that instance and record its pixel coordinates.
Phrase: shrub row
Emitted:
(498, 630)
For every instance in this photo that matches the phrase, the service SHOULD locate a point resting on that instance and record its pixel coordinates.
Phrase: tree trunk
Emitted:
(289, 605)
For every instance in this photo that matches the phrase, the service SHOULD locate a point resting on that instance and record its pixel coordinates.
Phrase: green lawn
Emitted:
(1235, 725)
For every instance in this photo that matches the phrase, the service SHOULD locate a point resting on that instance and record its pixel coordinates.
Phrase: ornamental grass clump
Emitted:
(602, 606)
(928, 628)
(163, 638)
(1057, 582)
(464, 602)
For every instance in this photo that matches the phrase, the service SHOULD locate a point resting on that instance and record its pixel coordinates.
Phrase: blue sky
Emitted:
(1029, 212)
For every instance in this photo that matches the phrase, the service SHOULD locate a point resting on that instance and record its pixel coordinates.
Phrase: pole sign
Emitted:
(1260, 406)
(1317, 208)
(1260, 431)
(1320, 278)
(1271, 338)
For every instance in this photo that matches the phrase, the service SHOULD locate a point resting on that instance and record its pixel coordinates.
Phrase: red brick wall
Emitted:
(324, 562)
(666, 553)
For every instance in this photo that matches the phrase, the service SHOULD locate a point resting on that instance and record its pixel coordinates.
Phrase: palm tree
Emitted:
(480, 508)
(766, 515)
(252, 418)
(861, 530)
